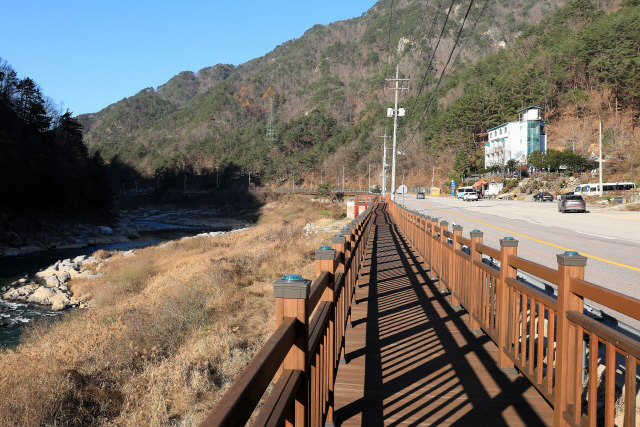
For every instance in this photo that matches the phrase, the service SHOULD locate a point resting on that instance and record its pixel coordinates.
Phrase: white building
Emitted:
(516, 140)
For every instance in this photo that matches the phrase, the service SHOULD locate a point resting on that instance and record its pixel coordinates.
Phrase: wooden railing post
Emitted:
(349, 278)
(570, 265)
(508, 247)
(444, 226)
(426, 236)
(292, 300)
(338, 242)
(433, 245)
(456, 267)
(476, 286)
(327, 259)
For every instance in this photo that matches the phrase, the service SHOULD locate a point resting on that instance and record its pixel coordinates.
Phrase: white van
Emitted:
(464, 190)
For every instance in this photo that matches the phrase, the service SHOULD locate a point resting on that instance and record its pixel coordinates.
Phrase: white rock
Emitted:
(42, 295)
(80, 259)
(64, 276)
(52, 281)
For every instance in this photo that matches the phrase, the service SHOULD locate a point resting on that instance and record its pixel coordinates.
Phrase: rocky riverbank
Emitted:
(129, 225)
(54, 289)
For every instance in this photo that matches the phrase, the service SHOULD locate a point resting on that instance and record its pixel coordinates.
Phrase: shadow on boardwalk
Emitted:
(411, 359)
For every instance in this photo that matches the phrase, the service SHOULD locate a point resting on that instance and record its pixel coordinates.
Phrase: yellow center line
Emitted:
(532, 238)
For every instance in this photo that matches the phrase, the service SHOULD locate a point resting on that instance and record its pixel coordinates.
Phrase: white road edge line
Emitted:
(597, 235)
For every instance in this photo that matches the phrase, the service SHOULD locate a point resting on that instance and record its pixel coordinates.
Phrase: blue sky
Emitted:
(87, 54)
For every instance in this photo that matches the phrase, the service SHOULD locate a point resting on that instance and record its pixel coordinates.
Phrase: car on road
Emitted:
(420, 195)
(470, 197)
(507, 196)
(543, 196)
(572, 202)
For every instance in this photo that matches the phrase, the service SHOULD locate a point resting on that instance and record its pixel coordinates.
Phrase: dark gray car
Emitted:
(572, 202)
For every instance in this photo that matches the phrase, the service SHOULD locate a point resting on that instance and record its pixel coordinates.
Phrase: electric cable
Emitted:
(415, 131)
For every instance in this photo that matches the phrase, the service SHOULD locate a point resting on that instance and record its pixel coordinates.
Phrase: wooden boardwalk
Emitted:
(411, 359)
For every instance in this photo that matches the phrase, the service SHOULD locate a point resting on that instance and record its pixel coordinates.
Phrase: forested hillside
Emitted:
(580, 65)
(327, 88)
(46, 170)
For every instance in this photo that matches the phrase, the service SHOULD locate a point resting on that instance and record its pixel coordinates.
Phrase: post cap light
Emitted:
(291, 286)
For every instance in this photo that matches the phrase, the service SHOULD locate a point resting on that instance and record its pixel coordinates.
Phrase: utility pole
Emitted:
(600, 156)
(395, 112)
(320, 176)
(372, 163)
(343, 178)
(384, 163)
(433, 175)
(294, 181)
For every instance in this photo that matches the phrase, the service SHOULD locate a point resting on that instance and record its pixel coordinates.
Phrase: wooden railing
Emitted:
(303, 354)
(548, 339)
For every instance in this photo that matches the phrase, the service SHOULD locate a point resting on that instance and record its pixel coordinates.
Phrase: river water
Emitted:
(15, 316)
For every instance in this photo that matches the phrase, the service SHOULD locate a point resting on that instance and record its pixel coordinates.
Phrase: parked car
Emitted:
(420, 195)
(507, 196)
(572, 202)
(470, 197)
(543, 196)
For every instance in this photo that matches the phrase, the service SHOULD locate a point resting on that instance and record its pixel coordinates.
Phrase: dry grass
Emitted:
(166, 332)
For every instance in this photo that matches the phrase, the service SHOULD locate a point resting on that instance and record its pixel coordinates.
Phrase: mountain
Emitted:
(327, 89)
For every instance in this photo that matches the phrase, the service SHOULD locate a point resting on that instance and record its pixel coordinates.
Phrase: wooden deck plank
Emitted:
(411, 359)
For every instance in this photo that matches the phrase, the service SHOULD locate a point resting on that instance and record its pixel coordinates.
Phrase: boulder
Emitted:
(64, 276)
(42, 295)
(46, 273)
(105, 230)
(50, 296)
(52, 281)
(14, 238)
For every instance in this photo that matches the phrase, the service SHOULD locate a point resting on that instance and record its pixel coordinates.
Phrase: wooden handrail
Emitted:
(237, 405)
(545, 273)
(621, 341)
(609, 298)
(317, 288)
(488, 250)
(549, 301)
(280, 398)
(304, 350)
(541, 335)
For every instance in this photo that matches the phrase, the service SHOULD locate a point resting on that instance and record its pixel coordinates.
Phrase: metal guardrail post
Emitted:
(508, 247)
(570, 265)
(292, 300)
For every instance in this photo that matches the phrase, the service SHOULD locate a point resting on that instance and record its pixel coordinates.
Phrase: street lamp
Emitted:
(370, 175)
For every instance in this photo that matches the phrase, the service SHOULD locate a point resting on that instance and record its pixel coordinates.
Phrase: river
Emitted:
(15, 316)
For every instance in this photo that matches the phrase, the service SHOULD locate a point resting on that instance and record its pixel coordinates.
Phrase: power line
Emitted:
(433, 55)
(435, 92)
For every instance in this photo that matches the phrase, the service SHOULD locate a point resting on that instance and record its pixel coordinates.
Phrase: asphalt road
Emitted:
(610, 239)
